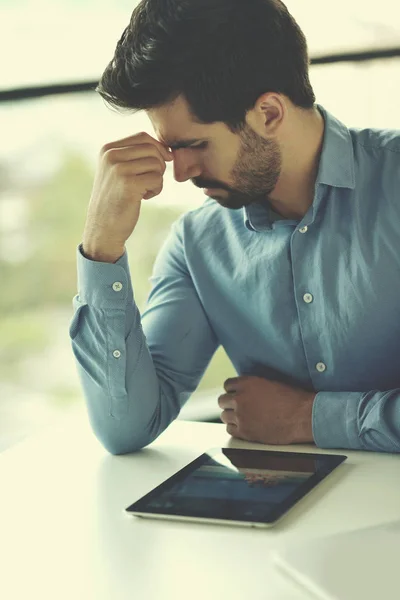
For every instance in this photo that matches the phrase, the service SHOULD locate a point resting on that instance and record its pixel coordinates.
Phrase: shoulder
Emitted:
(377, 141)
(377, 159)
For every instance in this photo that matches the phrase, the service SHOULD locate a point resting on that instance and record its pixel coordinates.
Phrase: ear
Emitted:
(267, 115)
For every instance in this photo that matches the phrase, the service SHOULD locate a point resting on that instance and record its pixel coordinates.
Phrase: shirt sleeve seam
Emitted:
(108, 362)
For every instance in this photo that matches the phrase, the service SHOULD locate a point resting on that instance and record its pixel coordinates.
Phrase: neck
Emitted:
(301, 151)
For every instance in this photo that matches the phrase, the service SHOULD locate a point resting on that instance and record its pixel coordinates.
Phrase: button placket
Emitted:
(308, 298)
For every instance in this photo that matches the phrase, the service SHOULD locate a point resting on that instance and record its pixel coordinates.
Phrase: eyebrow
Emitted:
(176, 144)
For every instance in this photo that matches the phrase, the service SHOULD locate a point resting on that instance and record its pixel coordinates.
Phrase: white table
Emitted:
(64, 533)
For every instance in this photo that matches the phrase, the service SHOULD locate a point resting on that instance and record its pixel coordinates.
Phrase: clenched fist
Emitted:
(129, 171)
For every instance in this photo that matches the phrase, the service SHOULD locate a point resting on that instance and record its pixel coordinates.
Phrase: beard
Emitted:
(255, 173)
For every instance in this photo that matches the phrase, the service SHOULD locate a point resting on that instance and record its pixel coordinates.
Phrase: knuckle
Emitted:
(105, 148)
(157, 178)
(117, 168)
(230, 429)
(108, 156)
(223, 398)
(155, 161)
(142, 134)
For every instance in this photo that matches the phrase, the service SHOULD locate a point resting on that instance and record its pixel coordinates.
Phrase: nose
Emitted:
(185, 165)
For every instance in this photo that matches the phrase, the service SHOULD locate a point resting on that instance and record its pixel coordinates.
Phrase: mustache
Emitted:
(202, 183)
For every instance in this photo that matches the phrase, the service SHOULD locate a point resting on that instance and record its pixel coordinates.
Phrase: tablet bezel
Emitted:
(332, 461)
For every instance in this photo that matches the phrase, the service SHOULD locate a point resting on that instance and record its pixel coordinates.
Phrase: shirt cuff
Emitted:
(334, 420)
(104, 285)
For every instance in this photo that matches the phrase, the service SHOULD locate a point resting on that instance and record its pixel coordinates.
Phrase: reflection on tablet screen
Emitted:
(231, 484)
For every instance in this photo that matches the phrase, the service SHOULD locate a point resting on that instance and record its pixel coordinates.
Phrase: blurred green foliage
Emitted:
(47, 280)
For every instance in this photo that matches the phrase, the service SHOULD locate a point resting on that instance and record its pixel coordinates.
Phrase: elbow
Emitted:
(119, 449)
(118, 445)
(118, 434)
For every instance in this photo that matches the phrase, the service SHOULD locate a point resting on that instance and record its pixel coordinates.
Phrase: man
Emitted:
(292, 263)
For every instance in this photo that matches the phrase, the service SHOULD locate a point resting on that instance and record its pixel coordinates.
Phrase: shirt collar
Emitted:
(336, 168)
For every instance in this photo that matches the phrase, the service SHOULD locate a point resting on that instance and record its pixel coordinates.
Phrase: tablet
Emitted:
(237, 487)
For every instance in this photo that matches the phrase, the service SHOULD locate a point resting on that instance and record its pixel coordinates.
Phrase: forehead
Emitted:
(173, 123)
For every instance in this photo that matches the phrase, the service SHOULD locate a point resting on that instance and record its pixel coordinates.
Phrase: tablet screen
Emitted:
(238, 485)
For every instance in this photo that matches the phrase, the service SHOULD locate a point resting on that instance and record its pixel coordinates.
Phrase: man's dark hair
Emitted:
(220, 55)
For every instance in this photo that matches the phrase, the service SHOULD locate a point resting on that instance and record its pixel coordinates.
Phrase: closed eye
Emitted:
(200, 146)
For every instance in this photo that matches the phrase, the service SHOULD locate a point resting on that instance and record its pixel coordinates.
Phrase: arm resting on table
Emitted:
(137, 373)
(357, 420)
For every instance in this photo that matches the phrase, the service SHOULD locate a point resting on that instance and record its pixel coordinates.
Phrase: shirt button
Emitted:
(308, 298)
(303, 229)
(321, 367)
(117, 286)
(116, 354)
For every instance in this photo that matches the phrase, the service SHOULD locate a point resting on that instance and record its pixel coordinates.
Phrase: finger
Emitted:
(140, 138)
(150, 184)
(126, 154)
(228, 417)
(232, 430)
(227, 402)
(140, 166)
(233, 384)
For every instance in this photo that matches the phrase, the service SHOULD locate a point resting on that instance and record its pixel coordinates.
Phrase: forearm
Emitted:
(108, 341)
(357, 420)
(138, 371)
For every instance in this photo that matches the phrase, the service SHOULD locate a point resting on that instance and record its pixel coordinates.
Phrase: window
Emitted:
(48, 152)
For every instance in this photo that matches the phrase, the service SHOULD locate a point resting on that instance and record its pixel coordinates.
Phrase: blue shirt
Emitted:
(314, 303)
